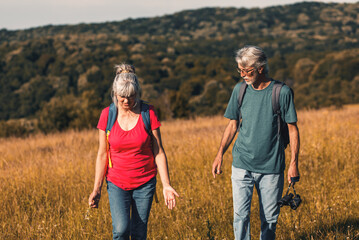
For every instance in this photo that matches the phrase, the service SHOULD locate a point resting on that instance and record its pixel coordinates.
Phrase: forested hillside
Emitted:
(58, 77)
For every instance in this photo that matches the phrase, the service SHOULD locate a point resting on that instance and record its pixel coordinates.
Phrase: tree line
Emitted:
(59, 77)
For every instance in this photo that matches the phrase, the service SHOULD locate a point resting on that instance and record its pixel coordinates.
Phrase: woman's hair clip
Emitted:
(123, 71)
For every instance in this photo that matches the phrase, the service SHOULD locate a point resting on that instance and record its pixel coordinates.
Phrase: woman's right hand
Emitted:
(94, 199)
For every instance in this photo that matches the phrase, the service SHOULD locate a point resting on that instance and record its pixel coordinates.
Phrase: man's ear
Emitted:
(261, 69)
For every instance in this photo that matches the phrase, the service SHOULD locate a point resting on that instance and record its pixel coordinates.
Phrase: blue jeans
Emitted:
(126, 223)
(269, 188)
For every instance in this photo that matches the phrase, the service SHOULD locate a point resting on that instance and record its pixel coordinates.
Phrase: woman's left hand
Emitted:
(170, 194)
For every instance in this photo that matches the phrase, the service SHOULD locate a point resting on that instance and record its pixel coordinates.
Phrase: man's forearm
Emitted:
(294, 142)
(228, 136)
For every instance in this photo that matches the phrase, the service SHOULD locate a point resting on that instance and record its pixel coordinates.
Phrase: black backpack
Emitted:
(282, 126)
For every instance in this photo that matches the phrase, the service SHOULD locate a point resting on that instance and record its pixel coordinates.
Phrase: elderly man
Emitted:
(258, 152)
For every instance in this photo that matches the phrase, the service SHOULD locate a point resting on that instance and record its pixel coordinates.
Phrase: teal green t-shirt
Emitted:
(257, 148)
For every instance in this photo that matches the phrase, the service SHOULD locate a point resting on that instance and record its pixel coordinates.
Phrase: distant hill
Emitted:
(59, 77)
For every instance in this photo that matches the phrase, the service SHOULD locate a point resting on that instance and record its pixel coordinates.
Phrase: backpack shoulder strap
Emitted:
(112, 115)
(242, 91)
(145, 113)
(276, 105)
(275, 95)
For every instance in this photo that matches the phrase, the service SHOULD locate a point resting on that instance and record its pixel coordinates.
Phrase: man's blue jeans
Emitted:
(126, 223)
(269, 188)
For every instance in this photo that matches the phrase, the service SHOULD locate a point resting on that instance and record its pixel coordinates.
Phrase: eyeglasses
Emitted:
(244, 71)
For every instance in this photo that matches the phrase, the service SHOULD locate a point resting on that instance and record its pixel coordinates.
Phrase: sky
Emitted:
(23, 14)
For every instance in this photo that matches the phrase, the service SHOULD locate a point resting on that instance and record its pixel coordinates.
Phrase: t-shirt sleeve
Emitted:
(232, 107)
(155, 123)
(289, 113)
(102, 122)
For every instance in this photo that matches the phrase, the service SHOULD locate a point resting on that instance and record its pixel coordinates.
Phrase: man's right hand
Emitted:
(217, 164)
(227, 138)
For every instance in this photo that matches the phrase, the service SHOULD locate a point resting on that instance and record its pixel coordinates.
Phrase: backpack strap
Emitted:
(112, 116)
(145, 113)
(275, 104)
(242, 91)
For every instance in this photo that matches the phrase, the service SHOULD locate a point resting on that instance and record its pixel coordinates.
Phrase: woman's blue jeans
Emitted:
(130, 210)
(269, 188)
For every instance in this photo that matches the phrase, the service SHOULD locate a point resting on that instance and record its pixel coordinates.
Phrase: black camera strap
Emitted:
(289, 199)
(291, 185)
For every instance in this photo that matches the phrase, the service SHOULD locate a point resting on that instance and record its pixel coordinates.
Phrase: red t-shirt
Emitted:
(132, 158)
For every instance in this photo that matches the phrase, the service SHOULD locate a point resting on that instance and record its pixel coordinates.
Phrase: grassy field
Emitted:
(45, 182)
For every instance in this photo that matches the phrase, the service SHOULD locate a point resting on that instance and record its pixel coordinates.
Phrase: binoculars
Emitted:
(292, 200)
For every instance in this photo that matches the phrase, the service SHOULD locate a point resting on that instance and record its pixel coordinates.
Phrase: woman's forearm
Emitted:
(101, 162)
(162, 167)
(101, 166)
(169, 193)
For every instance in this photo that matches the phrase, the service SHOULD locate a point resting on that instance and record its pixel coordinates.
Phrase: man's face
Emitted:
(249, 74)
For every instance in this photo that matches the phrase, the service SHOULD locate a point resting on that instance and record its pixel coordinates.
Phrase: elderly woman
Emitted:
(130, 159)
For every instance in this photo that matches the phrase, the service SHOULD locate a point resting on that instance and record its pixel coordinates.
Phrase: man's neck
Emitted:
(261, 83)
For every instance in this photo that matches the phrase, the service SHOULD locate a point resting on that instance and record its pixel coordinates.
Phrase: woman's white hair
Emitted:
(125, 85)
(252, 56)
(124, 68)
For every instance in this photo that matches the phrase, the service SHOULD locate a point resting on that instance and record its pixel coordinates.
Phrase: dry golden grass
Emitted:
(45, 182)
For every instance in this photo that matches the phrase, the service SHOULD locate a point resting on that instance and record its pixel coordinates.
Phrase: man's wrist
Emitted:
(294, 161)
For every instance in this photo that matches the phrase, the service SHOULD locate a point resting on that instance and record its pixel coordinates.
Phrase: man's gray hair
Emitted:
(252, 56)
(125, 85)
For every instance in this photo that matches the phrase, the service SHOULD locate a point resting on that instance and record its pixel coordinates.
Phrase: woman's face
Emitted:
(126, 102)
